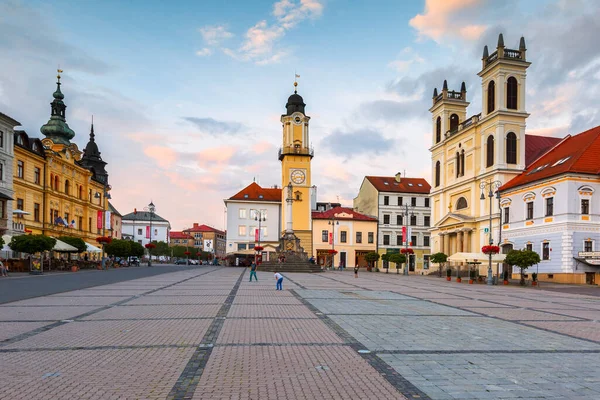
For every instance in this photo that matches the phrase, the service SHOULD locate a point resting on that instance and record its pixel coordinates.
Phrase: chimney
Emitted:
(398, 177)
(195, 224)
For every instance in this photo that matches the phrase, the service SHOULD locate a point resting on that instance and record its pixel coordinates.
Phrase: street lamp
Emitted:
(333, 223)
(259, 216)
(493, 187)
(408, 211)
(151, 210)
(104, 197)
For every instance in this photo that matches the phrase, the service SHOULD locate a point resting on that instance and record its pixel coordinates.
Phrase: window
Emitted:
(2, 209)
(546, 251)
(399, 240)
(506, 215)
(490, 151)
(453, 122)
(242, 230)
(530, 210)
(399, 220)
(251, 245)
(20, 140)
(264, 231)
(413, 220)
(413, 201)
(67, 186)
(81, 192)
(253, 213)
(370, 237)
(437, 174)
(386, 240)
(511, 148)
(139, 232)
(511, 93)
(462, 163)
(241, 246)
(491, 97)
(20, 169)
(67, 219)
(426, 220)
(588, 246)
(549, 206)
(461, 203)
(90, 195)
(80, 223)
(36, 212)
(529, 246)
(386, 200)
(242, 213)
(413, 241)
(263, 213)
(426, 241)
(400, 200)
(20, 206)
(1, 139)
(1, 172)
(457, 163)
(426, 201)
(585, 207)
(438, 129)
(386, 219)
(358, 237)
(343, 236)
(56, 185)
(324, 236)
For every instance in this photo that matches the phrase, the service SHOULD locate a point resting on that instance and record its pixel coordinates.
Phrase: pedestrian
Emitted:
(356, 271)
(3, 269)
(279, 279)
(253, 272)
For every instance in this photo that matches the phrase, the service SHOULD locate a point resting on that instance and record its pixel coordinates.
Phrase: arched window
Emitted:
(438, 129)
(67, 186)
(491, 97)
(461, 203)
(453, 122)
(462, 163)
(511, 93)
(52, 181)
(511, 148)
(490, 151)
(56, 182)
(457, 164)
(437, 174)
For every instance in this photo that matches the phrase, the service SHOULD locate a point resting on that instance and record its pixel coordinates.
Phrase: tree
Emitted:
(1, 242)
(398, 259)
(162, 249)
(439, 258)
(31, 244)
(137, 249)
(386, 258)
(118, 248)
(522, 259)
(76, 242)
(371, 258)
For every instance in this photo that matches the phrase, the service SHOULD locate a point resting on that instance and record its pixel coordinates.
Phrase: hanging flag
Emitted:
(403, 234)
(99, 219)
(297, 76)
(72, 224)
(147, 231)
(107, 219)
(65, 222)
(330, 237)
(58, 221)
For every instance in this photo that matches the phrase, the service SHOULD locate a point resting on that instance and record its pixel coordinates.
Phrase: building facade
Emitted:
(401, 205)
(243, 212)
(345, 231)
(181, 239)
(553, 209)
(61, 189)
(144, 227)
(7, 125)
(208, 239)
(115, 222)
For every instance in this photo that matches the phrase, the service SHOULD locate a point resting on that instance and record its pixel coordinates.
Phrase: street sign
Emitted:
(486, 230)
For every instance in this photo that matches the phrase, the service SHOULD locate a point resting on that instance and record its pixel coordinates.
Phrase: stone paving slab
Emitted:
(54, 301)
(258, 299)
(583, 329)
(162, 311)
(11, 329)
(252, 331)
(21, 313)
(176, 299)
(258, 372)
(269, 311)
(104, 292)
(470, 303)
(386, 307)
(520, 314)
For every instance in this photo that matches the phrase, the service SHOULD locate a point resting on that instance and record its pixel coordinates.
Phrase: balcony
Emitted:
(292, 150)
(505, 54)
(17, 227)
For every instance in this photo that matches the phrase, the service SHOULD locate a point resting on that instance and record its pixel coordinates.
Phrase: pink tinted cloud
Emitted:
(439, 20)
(164, 156)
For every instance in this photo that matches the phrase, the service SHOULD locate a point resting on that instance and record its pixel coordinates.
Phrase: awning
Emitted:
(20, 212)
(92, 249)
(476, 257)
(5, 196)
(63, 247)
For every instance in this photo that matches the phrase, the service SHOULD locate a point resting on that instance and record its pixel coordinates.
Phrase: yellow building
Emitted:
(295, 156)
(346, 231)
(62, 189)
(472, 156)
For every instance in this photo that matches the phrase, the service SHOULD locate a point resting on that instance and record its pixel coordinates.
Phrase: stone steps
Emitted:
(291, 266)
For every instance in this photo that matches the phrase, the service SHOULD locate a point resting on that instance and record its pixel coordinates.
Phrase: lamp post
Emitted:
(103, 198)
(408, 211)
(260, 217)
(493, 187)
(151, 208)
(333, 223)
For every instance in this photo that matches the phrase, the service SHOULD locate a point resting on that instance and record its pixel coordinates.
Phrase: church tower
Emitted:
(295, 156)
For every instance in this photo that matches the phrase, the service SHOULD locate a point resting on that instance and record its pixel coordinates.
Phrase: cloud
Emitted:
(213, 127)
(442, 18)
(204, 52)
(164, 156)
(214, 35)
(356, 142)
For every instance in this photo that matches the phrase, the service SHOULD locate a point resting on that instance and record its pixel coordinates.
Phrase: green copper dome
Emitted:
(57, 128)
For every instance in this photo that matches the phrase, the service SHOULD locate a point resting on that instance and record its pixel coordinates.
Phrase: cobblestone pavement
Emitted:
(210, 334)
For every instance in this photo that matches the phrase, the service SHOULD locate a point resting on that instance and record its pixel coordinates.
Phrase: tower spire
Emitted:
(57, 128)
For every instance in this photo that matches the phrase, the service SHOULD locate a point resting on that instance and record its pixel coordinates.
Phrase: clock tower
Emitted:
(295, 156)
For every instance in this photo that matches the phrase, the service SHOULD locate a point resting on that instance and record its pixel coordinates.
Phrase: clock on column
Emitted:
(298, 176)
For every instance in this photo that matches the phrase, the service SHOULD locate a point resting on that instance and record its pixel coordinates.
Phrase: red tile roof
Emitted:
(202, 228)
(406, 185)
(253, 192)
(577, 154)
(329, 214)
(179, 235)
(536, 146)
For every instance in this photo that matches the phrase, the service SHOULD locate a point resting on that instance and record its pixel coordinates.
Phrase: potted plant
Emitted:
(472, 276)
(505, 277)
(534, 279)
(371, 258)
(449, 274)
(522, 259)
(458, 278)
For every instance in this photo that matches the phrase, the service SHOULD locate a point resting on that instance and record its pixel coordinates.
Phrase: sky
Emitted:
(187, 95)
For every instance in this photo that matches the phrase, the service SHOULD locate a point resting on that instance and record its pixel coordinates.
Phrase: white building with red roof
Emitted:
(553, 208)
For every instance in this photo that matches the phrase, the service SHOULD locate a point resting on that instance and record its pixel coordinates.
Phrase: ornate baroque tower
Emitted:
(295, 156)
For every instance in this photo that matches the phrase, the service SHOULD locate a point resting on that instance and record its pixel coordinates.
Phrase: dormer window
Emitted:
(20, 140)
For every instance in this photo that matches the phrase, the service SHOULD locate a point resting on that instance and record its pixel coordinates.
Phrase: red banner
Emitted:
(330, 237)
(256, 235)
(404, 239)
(147, 231)
(99, 218)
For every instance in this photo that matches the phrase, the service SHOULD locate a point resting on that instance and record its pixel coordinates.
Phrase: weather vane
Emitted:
(296, 76)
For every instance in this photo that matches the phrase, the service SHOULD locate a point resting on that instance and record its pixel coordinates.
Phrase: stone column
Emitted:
(442, 238)
(447, 243)
(467, 240)
(459, 241)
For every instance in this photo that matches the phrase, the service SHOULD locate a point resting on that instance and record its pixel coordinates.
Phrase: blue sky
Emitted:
(186, 95)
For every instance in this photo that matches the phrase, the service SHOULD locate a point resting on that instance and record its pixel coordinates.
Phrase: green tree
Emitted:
(1, 242)
(31, 244)
(161, 249)
(76, 242)
(137, 249)
(441, 259)
(386, 261)
(398, 259)
(371, 258)
(522, 259)
(118, 248)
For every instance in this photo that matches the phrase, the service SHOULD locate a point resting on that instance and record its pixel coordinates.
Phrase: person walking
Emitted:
(279, 279)
(356, 271)
(3, 269)
(253, 272)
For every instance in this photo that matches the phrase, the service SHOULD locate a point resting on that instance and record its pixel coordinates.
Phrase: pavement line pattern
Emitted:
(186, 385)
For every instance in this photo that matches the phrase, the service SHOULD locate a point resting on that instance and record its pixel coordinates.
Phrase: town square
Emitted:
(284, 199)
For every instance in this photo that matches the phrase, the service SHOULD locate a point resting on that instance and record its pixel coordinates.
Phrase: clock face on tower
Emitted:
(298, 176)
